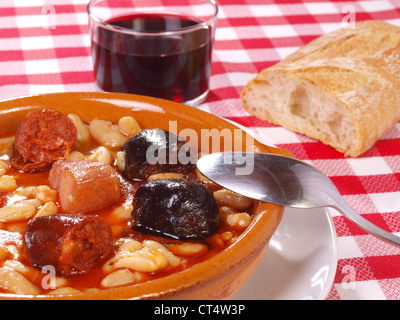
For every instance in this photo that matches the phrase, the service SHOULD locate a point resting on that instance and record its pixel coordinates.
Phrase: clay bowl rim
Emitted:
(249, 244)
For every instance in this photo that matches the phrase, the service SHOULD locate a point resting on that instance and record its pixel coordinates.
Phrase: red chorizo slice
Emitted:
(70, 243)
(42, 137)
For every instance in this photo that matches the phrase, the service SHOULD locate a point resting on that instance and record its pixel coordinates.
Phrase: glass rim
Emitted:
(119, 29)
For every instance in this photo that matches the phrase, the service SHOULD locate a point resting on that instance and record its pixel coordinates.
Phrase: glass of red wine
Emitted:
(158, 48)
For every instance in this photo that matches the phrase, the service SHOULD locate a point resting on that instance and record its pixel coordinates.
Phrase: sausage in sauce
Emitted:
(70, 243)
(41, 138)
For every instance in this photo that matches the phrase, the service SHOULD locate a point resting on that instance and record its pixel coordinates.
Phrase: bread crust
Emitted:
(353, 73)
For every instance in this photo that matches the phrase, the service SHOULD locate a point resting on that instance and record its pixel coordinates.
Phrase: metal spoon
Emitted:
(283, 181)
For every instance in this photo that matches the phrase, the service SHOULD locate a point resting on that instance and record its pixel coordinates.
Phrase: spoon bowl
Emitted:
(283, 181)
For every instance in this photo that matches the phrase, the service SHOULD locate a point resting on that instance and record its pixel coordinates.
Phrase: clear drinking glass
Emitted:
(159, 48)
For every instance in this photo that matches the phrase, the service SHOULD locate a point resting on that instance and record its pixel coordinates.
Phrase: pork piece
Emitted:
(175, 208)
(155, 151)
(70, 243)
(84, 185)
(42, 138)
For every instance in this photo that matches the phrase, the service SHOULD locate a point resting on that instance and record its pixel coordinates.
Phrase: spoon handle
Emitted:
(343, 207)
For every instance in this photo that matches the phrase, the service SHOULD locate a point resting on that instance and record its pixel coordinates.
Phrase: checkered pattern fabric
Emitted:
(45, 47)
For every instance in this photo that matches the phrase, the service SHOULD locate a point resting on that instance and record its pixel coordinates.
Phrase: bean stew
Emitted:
(82, 209)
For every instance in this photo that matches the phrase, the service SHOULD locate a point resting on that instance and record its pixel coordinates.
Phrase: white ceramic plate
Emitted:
(301, 260)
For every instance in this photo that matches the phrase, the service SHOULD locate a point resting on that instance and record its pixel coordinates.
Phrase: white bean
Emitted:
(16, 283)
(64, 290)
(188, 249)
(165, 175)
(48, 209)
(18, 266)
(106, 134)
(81, 128)
(14, 251)
(123, 212)
(3, 167)
(6, 145)
(119, 278)
(231, 199)
(75, 156)
(91, 290)
(54, 282)
(222, 240)
(20, 210)
(127, 247)
(239, 221)
(15, 227)
(4, 253)
(8, 183)
(142, 276)
(26, 191)
(144, 260)
(101, 154)
(121, 160)
(129, 126)
(173, 260)
(43, 193)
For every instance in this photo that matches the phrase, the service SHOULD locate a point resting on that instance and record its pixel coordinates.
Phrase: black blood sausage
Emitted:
(155, 151)
(175, 208)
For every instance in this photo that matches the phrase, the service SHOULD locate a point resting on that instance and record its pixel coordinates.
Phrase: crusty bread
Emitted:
(343, 88)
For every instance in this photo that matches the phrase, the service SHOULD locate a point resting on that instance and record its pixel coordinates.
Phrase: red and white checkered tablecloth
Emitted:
(45, 47)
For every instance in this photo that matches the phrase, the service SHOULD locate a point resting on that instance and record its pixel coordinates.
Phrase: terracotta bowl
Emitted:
(219, 277)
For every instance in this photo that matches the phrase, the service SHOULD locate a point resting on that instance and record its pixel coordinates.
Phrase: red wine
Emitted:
(174, 67)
